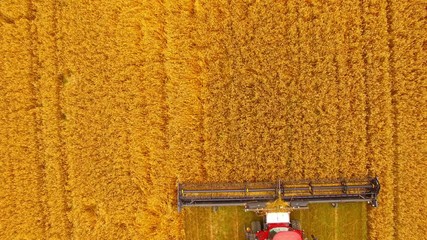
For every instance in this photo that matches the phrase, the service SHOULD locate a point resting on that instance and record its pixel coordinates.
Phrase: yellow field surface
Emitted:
(106, 105)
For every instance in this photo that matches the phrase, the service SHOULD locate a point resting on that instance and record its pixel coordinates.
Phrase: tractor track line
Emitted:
(35, 89)
(395, 113)
(64, 164)
(365, 84)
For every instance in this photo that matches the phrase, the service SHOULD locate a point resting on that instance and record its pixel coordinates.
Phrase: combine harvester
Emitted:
(275, 200)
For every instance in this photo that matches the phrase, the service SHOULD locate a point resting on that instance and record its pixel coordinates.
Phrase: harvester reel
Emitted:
(299, 194)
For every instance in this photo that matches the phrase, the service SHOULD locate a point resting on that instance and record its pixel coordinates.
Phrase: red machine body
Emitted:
(279, 231)
(288, 236)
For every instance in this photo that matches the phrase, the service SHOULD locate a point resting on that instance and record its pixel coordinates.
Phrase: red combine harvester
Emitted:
(275, 200)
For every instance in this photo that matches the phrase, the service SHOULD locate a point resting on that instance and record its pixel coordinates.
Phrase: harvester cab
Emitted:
(275, 200)
(278, 226)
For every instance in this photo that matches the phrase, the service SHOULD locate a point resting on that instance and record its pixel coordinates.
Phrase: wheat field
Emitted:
(106, 105)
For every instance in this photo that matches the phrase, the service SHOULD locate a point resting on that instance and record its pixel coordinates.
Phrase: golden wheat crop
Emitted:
(106, 105)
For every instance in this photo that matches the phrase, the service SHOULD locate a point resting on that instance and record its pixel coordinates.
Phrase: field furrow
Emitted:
(351, 95)
(378, 114)
(52, 151)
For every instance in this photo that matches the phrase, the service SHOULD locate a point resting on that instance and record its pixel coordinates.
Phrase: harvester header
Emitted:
(254, 196)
